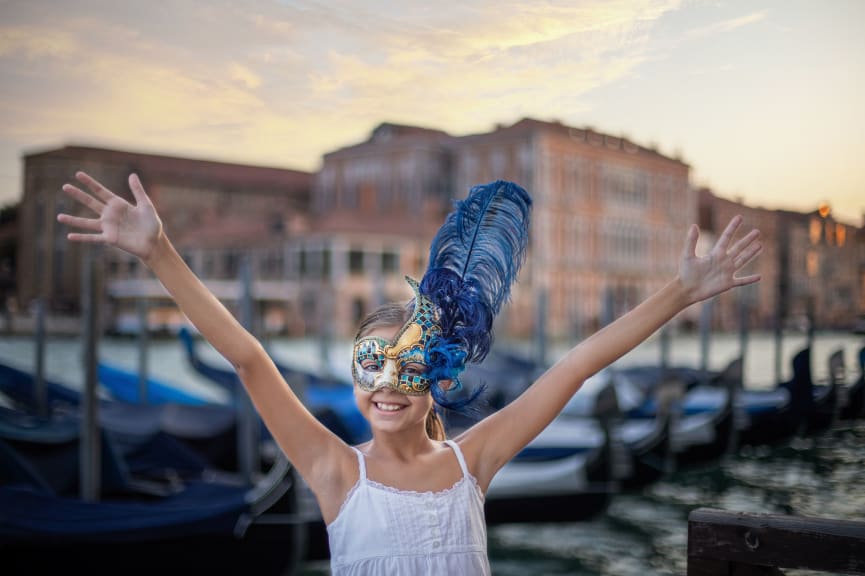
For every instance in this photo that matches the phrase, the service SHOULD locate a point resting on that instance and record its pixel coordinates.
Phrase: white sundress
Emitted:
(383, 530)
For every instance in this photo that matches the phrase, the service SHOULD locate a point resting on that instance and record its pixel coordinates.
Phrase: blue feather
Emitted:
(474, 259)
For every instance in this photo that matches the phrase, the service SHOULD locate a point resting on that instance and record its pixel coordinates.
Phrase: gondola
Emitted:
(563, 475)
(20, 387)
(761, 416)
(124, 385)
(208, 429)
(702, 415)
(854, 395)
(640, 447)
(824, 408)
(330, 400)
(173, 518)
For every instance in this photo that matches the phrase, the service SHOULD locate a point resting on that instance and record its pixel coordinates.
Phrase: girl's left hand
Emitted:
(705, 276)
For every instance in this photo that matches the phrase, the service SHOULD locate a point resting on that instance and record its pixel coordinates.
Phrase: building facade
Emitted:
(607, 226)
(324, 249)
(376, 205)
(825, 268)
(214, 212)
(812, 268)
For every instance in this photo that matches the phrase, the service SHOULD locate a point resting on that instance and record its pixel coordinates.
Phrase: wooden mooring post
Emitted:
(744, 544)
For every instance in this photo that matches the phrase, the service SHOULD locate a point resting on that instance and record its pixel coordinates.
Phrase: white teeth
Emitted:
(388, 407)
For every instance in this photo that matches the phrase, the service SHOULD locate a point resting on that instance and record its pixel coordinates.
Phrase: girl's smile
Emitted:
(389, 406)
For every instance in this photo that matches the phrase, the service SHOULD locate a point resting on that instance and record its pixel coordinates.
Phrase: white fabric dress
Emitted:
(382, 530)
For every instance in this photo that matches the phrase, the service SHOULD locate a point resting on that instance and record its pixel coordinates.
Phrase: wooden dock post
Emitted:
(743, 544)
(142, 310)
(90, 449)
(706, 312)
(39, 386)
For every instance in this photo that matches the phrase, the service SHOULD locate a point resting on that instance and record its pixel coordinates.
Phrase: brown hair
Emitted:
(396, 314)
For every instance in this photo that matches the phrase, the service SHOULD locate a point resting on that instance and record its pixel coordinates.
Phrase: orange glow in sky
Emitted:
(762, 98)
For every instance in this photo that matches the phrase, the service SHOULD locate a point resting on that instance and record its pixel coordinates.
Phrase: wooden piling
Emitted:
(724, 543)
(39, 386)
(143, 349)
(90, 444)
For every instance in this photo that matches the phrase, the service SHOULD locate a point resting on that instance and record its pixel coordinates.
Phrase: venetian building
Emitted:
(825, 268)
(214, 211)
(811, 268)
(608, 222)
(376, 206)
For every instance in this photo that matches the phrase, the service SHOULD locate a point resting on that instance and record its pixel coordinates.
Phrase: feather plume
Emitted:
(474, 259)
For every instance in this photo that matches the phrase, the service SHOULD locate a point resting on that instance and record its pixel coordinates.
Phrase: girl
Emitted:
(409, 501)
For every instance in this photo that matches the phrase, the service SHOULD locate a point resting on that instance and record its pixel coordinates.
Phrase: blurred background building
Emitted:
(326, 248)
(216, 213)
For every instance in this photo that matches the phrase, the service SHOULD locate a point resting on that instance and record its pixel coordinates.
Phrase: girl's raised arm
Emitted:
(137, 229)
(499, 437)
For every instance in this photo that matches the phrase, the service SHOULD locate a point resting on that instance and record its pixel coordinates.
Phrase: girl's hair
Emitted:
(395, 314)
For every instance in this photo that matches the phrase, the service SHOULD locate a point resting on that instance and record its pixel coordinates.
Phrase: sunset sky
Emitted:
(765, 99)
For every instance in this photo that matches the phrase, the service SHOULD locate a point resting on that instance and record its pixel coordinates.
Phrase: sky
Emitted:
(762, 98)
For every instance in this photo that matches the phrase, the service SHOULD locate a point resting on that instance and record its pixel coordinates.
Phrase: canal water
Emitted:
(642, 533)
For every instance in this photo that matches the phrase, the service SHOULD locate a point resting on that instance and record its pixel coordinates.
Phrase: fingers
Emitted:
(83, 223)
(745, 280)
(138, 190)
(95, 187)
(87, 238)
(100, 195)
(690, 249)
(743, 242)
(727, 234)
(84, 198)
(747, 255)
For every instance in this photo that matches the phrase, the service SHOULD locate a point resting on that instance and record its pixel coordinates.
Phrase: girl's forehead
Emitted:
(386, 332)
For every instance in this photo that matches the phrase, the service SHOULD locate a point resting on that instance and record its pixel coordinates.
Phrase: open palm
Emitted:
(706, 276)
(132, 228)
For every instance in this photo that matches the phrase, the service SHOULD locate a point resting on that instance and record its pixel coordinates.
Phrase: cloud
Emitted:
(727, 25)
(32, 43)
(248, 68)
(282, 83)
(481, 65)
(243, 75)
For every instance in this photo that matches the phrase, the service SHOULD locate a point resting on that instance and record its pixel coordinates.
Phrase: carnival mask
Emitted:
(400, 364)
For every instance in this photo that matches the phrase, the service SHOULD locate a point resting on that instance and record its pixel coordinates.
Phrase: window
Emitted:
(325, 263)
(304, 263)
(271, 264)
(207, 267)
(358, 310)
(355, 261)
(389, 262)
(231, 264)
(625, 186)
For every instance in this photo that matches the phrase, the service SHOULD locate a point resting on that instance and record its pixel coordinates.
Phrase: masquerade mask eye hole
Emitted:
(371, 365)
(414, 369)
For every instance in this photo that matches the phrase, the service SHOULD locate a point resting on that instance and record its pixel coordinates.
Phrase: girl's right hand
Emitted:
(134, 229)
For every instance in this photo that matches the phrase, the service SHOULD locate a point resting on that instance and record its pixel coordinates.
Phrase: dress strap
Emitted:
(361, 463)
(455, 447)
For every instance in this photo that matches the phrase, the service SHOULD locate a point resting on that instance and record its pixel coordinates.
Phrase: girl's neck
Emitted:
(404, 445)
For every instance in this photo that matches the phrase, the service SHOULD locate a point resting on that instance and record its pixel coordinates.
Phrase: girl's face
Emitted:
(386, 409)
